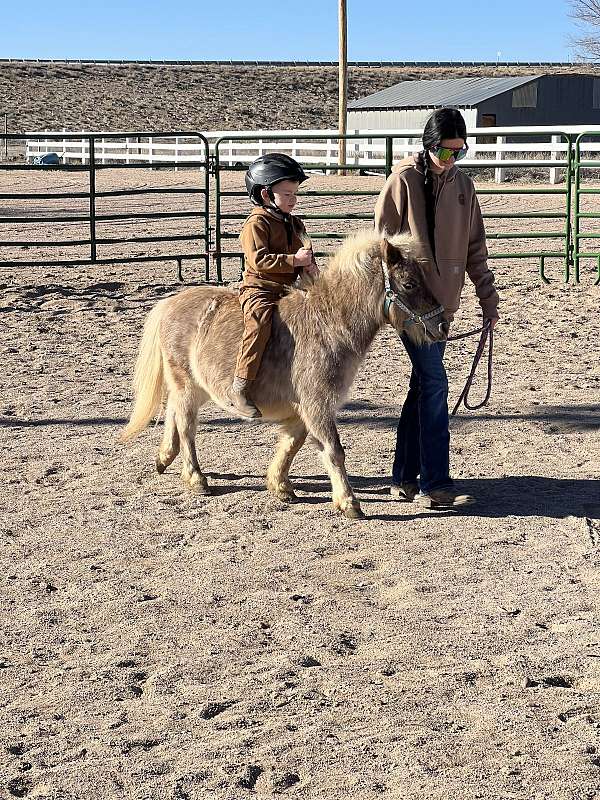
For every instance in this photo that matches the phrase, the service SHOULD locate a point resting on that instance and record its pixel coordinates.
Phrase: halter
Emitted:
(421, 319)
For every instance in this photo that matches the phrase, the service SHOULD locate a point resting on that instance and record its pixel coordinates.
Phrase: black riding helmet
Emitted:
(269, 170)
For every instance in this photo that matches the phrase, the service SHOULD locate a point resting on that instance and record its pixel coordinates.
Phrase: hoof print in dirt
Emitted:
(212, 710)
(141, 744)
(16, 749)
(287, 780)
(366, 564)
(309, 661)
(19, 787)
(345, 644)
(301, 598)
(558, 681)
(554, 681)
(250, 776)
(126, 662)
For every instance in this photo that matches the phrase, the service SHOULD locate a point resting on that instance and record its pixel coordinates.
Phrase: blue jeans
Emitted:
(423, 438)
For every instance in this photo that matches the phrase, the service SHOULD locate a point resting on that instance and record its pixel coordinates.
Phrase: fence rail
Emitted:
(92, 152)
(559, 238)
(368, 149)
(554, 233)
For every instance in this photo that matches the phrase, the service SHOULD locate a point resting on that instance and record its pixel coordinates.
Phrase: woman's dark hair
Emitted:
(444, 123)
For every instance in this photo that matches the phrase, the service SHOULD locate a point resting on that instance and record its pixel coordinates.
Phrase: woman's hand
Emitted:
(304, 257)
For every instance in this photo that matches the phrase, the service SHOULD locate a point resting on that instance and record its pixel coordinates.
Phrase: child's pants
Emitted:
(257, 308)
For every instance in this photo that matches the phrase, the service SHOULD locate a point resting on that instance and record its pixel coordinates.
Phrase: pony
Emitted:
(320, 336)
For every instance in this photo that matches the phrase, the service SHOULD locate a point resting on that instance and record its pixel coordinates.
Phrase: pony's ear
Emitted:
(389, 253)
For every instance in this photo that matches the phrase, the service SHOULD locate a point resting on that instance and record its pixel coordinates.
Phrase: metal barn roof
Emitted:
(463, 92)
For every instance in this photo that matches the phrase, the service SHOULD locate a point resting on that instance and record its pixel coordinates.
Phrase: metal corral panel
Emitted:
(452, 92)
(407, 119)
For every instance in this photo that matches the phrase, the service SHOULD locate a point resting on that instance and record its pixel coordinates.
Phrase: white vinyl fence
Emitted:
(493, 151)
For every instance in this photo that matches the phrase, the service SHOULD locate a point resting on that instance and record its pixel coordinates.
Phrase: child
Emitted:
(274, 245)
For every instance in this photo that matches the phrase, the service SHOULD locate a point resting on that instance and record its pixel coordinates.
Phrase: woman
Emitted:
(428, 197)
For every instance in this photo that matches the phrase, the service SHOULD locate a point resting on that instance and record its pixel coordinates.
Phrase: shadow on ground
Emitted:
(519, 496)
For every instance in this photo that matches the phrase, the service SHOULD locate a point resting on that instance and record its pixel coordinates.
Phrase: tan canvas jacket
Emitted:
(459, 233)
(268, 251)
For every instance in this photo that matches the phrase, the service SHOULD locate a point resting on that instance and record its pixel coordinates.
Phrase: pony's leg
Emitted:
(185, 398)
(169, 447)
(292, 437)
(325, 434)
(186, 418)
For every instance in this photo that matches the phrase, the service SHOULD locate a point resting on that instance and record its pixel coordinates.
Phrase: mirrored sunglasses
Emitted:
(444, 153)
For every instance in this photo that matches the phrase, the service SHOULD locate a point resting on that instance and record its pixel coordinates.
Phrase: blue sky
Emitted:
(522, 30)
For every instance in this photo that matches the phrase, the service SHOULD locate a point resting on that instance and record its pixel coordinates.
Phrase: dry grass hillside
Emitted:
(195, 97)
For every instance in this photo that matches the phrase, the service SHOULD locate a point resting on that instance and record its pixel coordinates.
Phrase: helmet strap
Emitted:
(274, 205)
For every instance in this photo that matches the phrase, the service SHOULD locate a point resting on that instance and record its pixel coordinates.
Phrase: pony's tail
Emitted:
(148, 377)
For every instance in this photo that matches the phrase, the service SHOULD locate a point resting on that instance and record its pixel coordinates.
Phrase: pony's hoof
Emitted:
(283, 492)
(202, 489)
(160, 467)
(199, 485)
(351, 509)
(286, 497)
(354, 511)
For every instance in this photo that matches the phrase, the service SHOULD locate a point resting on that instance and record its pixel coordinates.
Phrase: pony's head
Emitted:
(408, 304)
(380, 280)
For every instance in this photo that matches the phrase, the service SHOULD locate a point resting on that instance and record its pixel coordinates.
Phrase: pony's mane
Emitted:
(355, 255)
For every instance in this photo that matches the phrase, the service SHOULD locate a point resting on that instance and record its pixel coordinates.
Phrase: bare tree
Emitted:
(587, 15)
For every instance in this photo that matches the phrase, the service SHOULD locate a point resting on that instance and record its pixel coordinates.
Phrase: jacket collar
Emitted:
(274, 213)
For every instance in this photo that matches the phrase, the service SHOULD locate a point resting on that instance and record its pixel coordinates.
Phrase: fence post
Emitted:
(500, 172)
(554, 157)
(92, 199)
(176, 153)
(330, 155)
(127, 150)
(389, 155)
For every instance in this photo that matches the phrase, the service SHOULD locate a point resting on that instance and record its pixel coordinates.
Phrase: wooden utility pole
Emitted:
(343, 81)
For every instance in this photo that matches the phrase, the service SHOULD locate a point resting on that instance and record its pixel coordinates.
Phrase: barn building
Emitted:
(526, 100)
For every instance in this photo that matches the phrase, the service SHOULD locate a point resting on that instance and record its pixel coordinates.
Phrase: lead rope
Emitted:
(485, 331)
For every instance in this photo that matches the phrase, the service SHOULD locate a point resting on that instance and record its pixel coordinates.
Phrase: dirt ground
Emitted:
(157, 645)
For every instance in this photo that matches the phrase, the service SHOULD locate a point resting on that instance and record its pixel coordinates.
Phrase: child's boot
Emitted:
(238, 394)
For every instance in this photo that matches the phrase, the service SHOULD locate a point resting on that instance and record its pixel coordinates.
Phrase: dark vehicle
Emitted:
(48, 159)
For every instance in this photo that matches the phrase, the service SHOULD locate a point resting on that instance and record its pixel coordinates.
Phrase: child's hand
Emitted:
(303, 258)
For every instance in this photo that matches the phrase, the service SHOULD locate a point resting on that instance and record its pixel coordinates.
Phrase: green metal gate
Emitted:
(228, 149)
(96, 218)
(581, 193)
(329, 212)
